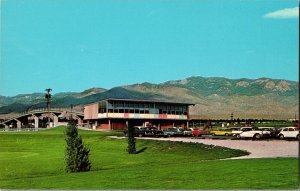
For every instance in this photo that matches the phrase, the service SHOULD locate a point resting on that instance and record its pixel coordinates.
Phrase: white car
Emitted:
(188, 132)
(256, 134)
(289, 132)
(237, 131)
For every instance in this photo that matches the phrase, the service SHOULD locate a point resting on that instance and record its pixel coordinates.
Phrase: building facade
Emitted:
(116, 114)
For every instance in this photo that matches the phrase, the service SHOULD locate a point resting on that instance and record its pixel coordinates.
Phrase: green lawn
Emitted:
(35, 160)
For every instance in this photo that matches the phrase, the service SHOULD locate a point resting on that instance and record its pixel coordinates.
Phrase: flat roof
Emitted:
(142, 100)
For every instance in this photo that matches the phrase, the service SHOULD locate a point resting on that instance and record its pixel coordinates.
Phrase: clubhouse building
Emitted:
(116, 114)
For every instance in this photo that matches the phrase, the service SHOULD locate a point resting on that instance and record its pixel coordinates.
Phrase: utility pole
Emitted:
(71, 111)
(48, 98)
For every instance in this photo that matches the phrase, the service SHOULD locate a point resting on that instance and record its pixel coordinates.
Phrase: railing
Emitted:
(40, 110)
(20, 129)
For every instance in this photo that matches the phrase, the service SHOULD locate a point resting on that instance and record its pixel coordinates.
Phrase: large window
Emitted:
(173, 109)
(137, 107)
(102, 107)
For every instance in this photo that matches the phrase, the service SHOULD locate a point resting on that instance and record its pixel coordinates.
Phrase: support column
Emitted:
(79, 121)
(55, 120)
(92, 125)
(6, 127)
(109, 124)
(19, 124)
(96, 125)
(187, 124)
(36, 122)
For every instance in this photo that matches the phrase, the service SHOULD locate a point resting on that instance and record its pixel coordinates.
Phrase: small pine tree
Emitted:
(131, 141)
(76, 154)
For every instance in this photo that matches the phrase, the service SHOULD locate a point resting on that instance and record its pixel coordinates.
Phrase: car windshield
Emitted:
(224, 130)
(246, 129)
(170, 129)
(266, 129)
(235, 129)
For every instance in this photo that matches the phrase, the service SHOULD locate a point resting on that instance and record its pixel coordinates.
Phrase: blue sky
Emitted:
(73, 45)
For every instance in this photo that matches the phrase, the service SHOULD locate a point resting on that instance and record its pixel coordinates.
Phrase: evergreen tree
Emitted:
(77, 154)
(131, 141)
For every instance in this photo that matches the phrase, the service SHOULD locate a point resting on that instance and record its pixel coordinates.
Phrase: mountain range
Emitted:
(214, 97)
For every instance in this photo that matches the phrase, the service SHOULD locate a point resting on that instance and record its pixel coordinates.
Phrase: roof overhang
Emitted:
(143, 100)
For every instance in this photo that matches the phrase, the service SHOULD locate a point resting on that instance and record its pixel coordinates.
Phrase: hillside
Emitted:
(219, 97)
(214, 97)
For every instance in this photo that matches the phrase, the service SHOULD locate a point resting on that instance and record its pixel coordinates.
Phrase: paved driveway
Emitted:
(258, 149)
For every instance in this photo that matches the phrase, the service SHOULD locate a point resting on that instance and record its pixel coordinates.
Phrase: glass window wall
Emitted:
(132, 107)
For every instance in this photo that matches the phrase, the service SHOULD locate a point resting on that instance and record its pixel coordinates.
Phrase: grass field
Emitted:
(35, 160)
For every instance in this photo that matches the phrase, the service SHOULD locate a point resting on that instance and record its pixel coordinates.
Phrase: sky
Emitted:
(74, 45)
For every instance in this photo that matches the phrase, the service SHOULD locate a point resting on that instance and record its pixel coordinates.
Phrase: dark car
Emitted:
(275, 132)
(173, 132)
(153, 131)
(140, 131)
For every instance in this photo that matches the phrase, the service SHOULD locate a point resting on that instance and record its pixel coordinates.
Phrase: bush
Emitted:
(77, 154)
(131, 141)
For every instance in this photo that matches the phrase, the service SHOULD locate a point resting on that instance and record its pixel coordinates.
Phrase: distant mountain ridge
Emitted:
(215, 97)
(224, 86)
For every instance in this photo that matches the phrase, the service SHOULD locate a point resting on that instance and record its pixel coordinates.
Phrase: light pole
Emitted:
(48, 98)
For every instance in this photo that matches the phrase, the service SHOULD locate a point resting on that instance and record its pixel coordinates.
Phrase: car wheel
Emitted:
(281, 136)
(297, 137)
(213, 134)
(226, 134)
(140, 135)
(238, 136)
(125, 134)
(257, 136)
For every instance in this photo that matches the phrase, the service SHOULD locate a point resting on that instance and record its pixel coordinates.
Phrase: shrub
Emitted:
(76, 154)
(131, 141)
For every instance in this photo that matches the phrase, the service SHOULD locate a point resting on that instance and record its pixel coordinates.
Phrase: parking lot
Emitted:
(259, 149)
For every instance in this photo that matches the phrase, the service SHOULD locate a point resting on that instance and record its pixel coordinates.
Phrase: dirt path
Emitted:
(258, 149)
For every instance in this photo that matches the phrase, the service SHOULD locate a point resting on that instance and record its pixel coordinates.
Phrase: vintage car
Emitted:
(188, 131)
(273, 131)
(199, 132)
(221, 131)
(257, 133)
(172, 132)
(238, 130)
(141, 131)
(154, 131)
(289, 132)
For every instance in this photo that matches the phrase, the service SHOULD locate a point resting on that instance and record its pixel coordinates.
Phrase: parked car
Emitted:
(238, 130)
(172, 132)
(273, 131)
(255, 133)
(153, 131)
(188, 132)
(289, 132)
(141, 131)
(221, 131)
(199, 132)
